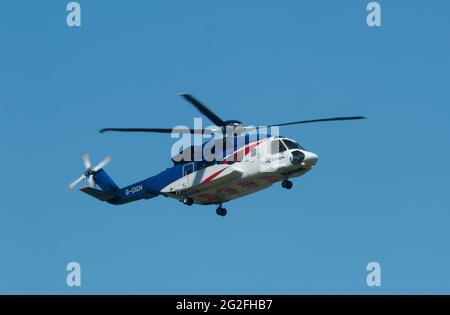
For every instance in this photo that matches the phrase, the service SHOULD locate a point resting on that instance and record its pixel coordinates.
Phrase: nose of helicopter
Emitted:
(310, 158)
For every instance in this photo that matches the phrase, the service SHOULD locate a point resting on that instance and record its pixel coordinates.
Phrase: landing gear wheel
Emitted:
(221, 211)
(286, 184)
(188, 201)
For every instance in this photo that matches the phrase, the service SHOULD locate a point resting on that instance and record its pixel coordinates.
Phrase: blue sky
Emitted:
(379, 192)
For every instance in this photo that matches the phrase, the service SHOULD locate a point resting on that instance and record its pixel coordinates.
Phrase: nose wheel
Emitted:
(221, 211)
(188, 201)
(286, 183)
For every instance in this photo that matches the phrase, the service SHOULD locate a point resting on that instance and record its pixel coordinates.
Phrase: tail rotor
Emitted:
(90, 171)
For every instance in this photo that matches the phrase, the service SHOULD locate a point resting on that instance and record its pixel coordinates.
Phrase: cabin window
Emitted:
(292, 145)
(277, 147)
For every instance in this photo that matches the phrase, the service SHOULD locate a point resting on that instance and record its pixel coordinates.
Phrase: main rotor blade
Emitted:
(102, 164)
(86, 161)
(203, 109)
(318, 120)
(75, 182)
(156, 130)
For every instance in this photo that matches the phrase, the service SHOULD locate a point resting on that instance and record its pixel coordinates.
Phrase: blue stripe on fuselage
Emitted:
(148, 188)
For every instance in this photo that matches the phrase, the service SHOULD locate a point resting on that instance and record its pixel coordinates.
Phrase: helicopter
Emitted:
(239, 161)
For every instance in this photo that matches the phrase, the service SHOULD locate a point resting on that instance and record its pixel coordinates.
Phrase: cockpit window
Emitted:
(292, 145)
(277, 146)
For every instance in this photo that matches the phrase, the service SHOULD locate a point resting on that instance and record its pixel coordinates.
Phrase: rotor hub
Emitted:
(89, 172)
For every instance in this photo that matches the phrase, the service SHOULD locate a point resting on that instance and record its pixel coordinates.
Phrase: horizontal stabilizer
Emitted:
(99, 194)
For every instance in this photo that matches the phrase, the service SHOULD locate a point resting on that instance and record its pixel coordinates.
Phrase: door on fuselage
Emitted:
(188, 169)
(278, 150)
(276, 157)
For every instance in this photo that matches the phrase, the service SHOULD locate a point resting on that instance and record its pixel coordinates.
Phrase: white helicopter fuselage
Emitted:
(258, 165)
(255, 164)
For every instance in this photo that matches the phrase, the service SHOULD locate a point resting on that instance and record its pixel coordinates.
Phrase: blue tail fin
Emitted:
(105, 182)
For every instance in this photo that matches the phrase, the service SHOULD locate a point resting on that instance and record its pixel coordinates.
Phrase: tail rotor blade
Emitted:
(91, 182)
(86, 161)
(102, 164)
(76, 182)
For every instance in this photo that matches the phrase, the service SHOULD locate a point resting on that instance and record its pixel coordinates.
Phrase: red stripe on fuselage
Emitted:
(210, 178)
(246, 150)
